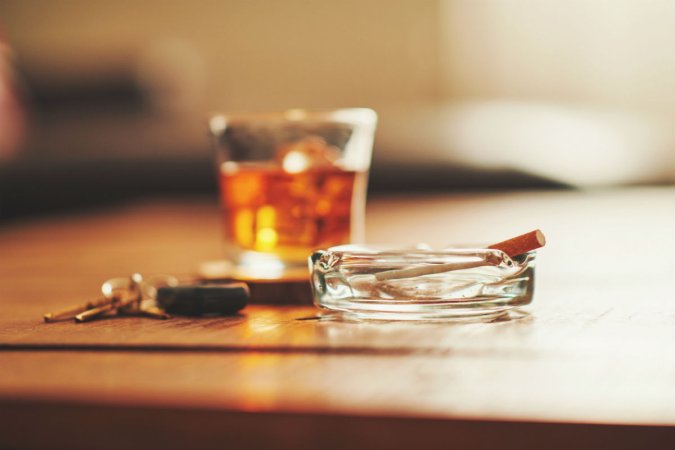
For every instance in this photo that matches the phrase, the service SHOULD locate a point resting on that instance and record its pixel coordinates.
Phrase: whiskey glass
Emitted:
(290, 183)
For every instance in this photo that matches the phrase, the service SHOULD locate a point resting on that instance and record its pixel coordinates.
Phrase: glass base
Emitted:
(505, 315)
(263, 271)
(440, 311)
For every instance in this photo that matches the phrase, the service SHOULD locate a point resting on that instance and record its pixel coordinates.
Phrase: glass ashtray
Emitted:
(454, 283)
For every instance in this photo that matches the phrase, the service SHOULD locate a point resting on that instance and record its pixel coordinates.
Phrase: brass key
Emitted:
(130, 305)
(97, 312)
(153, 312)
(69, 313)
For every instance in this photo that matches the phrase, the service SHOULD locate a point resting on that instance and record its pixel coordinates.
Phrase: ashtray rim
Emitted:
(406, 308)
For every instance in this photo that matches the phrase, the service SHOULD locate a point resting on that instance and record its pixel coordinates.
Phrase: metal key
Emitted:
(111, 295)
(71, 312)
(153, 312)
(124, 296)
(114, 289)
(96, 312)
(137, 294)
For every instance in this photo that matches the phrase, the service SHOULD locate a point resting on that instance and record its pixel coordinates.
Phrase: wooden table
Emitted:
(591, 366)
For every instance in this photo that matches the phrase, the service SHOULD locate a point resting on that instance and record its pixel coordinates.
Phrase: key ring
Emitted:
(116, 289)
(156, 297)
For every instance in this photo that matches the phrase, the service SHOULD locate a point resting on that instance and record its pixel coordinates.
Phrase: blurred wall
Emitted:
(275, 54)
(251, 54)
(577, 91)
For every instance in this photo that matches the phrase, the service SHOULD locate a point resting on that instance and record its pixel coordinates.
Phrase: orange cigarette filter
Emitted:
(521, 244)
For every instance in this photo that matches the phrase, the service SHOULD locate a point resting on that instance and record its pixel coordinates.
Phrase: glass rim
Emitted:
(364, 251)
(218, 121)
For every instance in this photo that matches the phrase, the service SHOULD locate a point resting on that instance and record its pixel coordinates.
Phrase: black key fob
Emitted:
(203, 300)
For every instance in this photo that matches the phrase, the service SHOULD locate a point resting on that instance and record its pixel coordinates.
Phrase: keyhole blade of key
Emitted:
(116, 305)
(71, 312)
(129, 307)
(153, 312)
(95, 312)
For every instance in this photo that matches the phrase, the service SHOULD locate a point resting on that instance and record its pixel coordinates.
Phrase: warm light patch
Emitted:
(266, 235)
(218, 124)
(296, 161)
(229, 167)
(243, 226)
(323, 207)
(296, 114)
(266, 239)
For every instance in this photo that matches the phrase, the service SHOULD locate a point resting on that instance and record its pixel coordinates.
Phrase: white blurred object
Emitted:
(308, 153)
(575, 145)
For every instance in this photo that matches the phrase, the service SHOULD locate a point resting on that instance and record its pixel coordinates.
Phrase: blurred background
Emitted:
(107, 101)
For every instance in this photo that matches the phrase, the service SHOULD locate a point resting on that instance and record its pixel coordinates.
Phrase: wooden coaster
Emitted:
(290, 287)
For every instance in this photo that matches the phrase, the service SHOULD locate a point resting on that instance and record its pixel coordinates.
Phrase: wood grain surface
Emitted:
(591, 358)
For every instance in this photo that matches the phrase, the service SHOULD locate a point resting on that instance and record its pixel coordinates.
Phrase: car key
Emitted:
(203, 299)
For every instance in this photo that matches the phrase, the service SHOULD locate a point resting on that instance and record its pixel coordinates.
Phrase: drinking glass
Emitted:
(290, 183)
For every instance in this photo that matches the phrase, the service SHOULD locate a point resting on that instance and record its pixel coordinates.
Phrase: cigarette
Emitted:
(512, 247)
(521, 244)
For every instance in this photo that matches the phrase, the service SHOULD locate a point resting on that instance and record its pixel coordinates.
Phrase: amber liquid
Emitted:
(289, 215)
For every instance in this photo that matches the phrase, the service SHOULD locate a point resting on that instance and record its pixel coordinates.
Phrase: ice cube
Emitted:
(308, 153)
